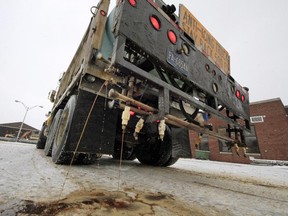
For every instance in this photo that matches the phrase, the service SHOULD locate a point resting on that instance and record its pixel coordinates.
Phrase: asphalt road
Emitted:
(31, 184)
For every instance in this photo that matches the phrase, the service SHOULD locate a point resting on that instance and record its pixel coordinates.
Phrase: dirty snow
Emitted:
(206, 187)
(268, 174)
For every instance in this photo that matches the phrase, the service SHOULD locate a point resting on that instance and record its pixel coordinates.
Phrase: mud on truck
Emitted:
(141, 79)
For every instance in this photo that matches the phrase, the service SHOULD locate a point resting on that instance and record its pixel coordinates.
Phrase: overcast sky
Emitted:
(39, 38)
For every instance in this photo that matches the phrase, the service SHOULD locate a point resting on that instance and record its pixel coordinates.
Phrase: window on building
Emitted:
(204, 146)
(256, 119)
(251, 141)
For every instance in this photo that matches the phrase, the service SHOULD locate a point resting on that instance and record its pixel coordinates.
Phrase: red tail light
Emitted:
(133, 3)
(172, 36)
(132, 113)
(238, 94)
(103, 13)
(155, 22)
(243, 98)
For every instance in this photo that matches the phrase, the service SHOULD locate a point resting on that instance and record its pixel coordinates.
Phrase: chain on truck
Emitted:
(140, 80)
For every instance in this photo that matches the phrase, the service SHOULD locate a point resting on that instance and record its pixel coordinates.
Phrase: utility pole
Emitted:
(26, 111)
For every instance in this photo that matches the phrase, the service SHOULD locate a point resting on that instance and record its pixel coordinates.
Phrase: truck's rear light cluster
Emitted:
(172, 36)
(133, 3)
(239, 96)
(155, 22)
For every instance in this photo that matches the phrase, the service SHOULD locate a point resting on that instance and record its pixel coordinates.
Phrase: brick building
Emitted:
(271, 123)
(268, 140)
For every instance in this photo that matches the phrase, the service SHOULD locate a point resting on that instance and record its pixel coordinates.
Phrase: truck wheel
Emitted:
(87, 159)
(42, 138)
(152, 151)
(51, 134)
(171, 161)
(128, 152)
(59, 156)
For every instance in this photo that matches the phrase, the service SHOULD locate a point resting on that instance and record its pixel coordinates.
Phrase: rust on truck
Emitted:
(204, 41)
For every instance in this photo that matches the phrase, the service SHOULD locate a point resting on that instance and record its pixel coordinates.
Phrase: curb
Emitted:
(270, 162)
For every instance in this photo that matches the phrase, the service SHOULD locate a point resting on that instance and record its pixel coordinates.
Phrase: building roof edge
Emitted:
(266, 101)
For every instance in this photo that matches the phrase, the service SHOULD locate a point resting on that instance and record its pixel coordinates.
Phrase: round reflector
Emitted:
(185, 49)
(155, 22)
(172, 36)
(215, 87)
(133, 3)
(103, 13)
(238, 94)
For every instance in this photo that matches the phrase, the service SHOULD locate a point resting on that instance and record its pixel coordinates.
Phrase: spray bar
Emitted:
(170, 119)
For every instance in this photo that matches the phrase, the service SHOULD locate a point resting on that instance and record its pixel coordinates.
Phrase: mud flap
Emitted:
(180, 143)
(99, 134)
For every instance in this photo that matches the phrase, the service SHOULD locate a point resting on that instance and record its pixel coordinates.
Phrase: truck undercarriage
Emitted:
(135, 87)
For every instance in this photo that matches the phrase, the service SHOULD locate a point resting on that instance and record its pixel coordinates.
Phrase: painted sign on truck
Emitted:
(204, 41)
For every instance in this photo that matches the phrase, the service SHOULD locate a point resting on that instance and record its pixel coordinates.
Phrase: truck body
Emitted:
(136, 86)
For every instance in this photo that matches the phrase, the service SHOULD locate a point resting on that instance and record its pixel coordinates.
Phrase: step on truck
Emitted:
(141, 79)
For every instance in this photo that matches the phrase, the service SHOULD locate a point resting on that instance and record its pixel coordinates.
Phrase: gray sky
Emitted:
(39, 38)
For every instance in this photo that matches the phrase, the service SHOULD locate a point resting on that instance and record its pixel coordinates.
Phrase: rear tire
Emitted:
(59, 156)
(42, 138)
(87, 159)
(170, 162)
(152, 151)
(52, 131)
(128, 152)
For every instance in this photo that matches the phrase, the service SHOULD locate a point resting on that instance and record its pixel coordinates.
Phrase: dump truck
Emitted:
(141, 79)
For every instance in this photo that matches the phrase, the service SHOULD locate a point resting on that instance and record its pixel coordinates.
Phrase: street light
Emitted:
(26, 111)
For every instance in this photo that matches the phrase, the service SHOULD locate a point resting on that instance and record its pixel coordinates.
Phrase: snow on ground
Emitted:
(274, 175)
(211, 188)
(22, 176)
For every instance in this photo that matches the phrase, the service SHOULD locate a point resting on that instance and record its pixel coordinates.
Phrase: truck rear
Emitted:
(138, 83)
